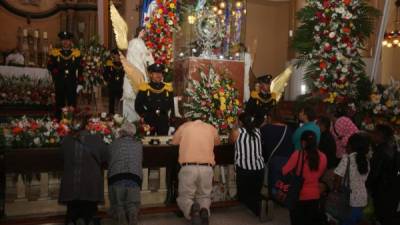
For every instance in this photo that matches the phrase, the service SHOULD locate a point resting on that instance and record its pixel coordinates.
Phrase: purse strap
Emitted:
(346, 179)
(277, 146)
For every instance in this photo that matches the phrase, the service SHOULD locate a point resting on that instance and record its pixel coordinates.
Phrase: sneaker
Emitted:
(195, 214)
(204, 216)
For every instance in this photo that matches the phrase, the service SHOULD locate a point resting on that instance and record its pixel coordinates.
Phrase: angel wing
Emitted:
(120, 28)
(133, 74)
(279, 83)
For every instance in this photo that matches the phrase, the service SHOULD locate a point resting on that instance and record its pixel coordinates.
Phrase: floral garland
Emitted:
(160, 27)
(25, 91)
(94, 57)
(214, 99)
(29, 132)
(329, 42)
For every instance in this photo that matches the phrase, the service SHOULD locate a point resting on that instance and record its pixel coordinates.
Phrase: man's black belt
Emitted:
(196, 164)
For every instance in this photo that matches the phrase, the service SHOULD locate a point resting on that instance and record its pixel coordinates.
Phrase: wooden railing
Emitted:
(30, 179)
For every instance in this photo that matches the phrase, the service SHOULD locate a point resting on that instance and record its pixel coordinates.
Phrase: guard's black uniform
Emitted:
(154, 102)
(259, 105)
(66, 70)
(114, 76)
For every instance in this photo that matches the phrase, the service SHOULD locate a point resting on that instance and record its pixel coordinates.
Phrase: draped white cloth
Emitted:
(247, 64)
(33, 72)
(139, 56)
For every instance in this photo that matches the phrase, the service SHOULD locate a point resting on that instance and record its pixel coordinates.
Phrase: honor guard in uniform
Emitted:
(114, 76)
(261, 100)
(154, 101)
(65, 67)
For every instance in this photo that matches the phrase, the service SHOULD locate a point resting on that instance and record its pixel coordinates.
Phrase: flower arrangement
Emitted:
(94, 57)
(160, 26)
(329, 42)
(28, 132)
(384, 104)
(214, 99)
(98, 126)
(25, 91)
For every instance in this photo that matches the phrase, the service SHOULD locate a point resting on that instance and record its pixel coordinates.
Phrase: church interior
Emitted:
(213, 55)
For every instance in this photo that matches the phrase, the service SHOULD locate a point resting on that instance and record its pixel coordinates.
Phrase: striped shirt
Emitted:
(248, 150)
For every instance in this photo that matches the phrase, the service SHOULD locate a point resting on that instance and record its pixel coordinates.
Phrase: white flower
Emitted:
(332, 34)
(103, 115)
(36, 141)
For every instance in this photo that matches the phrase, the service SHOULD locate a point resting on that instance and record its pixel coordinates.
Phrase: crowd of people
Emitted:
(330, 151)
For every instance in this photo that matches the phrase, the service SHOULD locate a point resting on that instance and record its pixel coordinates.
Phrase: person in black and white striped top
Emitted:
(249, 164)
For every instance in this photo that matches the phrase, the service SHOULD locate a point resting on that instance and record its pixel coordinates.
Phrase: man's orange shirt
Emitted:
(196, 141)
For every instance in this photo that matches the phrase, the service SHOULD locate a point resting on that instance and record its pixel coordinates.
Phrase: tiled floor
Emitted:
(238, 215)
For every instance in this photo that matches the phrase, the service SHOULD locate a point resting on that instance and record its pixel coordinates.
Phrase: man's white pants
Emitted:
(195, 185)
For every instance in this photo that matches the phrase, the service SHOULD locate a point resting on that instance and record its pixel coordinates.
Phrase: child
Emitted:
(357, 149)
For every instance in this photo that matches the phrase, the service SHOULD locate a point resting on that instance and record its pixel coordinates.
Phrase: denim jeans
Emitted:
(124, 203)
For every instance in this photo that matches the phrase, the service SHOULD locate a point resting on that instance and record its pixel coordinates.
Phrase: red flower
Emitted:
(17, 130)
(323, 91)
(326, 4)
(321, 78)
(347, 2)
(34, 125)
(346, 30)
(322, 65)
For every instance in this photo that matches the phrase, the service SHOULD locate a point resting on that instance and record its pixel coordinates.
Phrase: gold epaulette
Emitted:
(76, 52)
(255, 94)
(55, 52)
(109, 62)
(144, 86)
(168, 87)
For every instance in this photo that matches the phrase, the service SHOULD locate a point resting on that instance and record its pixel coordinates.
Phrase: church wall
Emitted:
(9, 24)
(268, 22)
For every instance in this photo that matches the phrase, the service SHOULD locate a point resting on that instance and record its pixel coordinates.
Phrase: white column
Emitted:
(100, 20)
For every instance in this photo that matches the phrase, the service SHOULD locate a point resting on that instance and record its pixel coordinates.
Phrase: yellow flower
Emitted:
(222, 100)
(160, 11)
(148, 25)
(237, 102)
(222, 107)
(389, 103)
(230, 120)
(215, 96)
(331, 98)
(172, 5)
(375, 98)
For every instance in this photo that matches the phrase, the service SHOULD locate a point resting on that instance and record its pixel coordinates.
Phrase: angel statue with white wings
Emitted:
(135, 64)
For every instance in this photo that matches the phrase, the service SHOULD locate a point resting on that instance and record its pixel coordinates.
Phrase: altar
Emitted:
(33, 73)
(190, 67)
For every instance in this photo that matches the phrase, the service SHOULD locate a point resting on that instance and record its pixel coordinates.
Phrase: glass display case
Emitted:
(211, 29)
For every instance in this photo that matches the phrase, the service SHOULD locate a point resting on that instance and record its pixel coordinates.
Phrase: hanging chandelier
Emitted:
(392, 38)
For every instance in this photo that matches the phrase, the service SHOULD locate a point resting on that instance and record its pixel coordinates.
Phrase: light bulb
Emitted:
(215, 8)
(398, 44)
(244, 11)
(222, 5)
(384, 43)
(233, 13)
(219, 12)
(389, 45)
(396, 41)
(239, 5)
(191, 19)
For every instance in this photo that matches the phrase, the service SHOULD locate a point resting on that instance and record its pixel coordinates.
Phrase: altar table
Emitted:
(33, 72)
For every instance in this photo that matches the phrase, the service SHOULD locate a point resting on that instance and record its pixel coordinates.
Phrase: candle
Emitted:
(44, 35)
(25, 32)
(36, 34)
